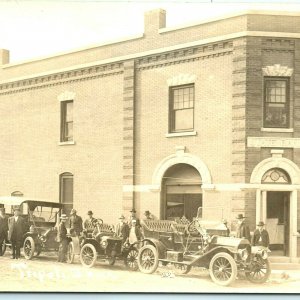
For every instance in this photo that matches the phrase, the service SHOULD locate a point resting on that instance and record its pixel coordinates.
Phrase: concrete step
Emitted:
(285, 266)
(279, 259)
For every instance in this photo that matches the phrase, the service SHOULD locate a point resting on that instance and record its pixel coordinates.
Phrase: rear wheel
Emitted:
(131, 260)
(259, 271)
(70, 253)
(223, 269)
(29, 247)
(88, 255)
(148, 259)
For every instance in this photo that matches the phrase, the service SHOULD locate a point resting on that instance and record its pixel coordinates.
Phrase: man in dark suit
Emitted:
(16, 229)
(122, 229)
(75, 223)
(243, 230)
(260, 236)
(3, 228)
(62, 239)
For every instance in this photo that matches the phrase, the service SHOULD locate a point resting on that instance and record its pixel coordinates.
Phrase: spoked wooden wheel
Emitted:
(29, 247)
(131, 260)
(148, 259)
(259, 271)
(182, 269)
(88, 255)
(223, 269)
(70, 253)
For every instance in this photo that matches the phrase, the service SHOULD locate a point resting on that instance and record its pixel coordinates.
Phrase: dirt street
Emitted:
(45, 274)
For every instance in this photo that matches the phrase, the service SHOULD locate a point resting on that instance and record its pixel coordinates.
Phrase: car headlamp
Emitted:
(264, 254)
(243, 253)
(103, 244)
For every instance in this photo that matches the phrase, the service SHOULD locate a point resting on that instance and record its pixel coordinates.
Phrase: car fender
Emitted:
(93, 242)
(161, 248)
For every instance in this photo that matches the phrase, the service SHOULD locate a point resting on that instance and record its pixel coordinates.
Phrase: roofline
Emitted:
(162, 30)
(157, 51)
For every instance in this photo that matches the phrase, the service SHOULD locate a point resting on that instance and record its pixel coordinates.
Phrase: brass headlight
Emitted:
(243, 253)
(103, 244)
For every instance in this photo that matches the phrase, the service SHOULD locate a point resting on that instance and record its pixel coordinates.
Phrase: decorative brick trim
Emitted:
(277, 70)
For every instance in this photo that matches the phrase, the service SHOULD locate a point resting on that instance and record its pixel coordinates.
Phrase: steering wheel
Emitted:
(195, 227)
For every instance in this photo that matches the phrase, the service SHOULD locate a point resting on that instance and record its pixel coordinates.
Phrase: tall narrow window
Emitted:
(276, 110)
(181, 108)
(66, 191)
(66, 121)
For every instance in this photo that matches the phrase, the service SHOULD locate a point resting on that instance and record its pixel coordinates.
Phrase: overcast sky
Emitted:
(31, 29)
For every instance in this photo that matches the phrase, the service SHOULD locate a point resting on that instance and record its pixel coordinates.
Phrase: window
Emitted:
(66, 191)
(181, 108)
(276, 110)
(66, 121)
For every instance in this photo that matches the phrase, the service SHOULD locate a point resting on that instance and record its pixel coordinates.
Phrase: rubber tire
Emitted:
(233, 265)
(94, 255)
(180, 270)
(70, 253)
(155, 264)
(31, 241)
(135, 267)
(264, 279)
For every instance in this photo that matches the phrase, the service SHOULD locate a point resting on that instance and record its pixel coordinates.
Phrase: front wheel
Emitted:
(259, 271)
(88, 255)
(29, 247)
(131, 260)
(70, 253)
(148, 259)
(223, 269)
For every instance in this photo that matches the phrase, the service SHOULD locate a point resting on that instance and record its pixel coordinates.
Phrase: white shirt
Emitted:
(132, 236)
(16, 218)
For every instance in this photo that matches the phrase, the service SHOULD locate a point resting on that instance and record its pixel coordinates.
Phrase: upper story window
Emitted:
(181, 112)
(66, 121)
(276, 102)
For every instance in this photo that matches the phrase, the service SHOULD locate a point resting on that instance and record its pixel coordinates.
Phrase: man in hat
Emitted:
(122, 229)
(16, 229)
(75, 222)
(148, 215)
(134, 217)
(3, 228)
(225, 223)
(135, 234)
(260, 236)
(243, 230)
(90, 222)
(62, 239)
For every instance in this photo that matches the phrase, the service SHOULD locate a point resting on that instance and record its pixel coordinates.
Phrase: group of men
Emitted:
(12, 229)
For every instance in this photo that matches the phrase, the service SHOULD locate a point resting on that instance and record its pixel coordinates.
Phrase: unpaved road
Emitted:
(45, 274)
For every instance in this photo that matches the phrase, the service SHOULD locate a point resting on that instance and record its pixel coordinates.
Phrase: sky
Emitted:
(33, 29)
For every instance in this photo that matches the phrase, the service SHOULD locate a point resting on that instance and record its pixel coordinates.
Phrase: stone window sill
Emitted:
(277, 129)
(66, 143)
(176, 134)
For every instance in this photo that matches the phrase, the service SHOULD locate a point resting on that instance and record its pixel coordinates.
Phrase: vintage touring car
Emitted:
(40, 230)
(186, 246)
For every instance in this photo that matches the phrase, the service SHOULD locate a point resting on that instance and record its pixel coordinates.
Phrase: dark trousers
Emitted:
(16, 247)
(62, 250)
(2, 240)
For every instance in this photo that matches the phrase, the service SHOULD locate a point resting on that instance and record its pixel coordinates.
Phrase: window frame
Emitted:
(287, 100)
(63, 121)
(66, 175)
(172, 111)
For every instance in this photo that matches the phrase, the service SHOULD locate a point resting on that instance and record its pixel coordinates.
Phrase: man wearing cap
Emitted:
(3, 228)
(243, 230)
(75, 223)
(134, 217)
(62, 239)
(260, 236)
(122, 229)
(16, 229)
(90, 222)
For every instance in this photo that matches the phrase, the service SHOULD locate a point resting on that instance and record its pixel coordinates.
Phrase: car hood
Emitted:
(229, 241)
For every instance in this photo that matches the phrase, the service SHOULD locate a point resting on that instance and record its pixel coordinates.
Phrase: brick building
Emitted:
(206, 116)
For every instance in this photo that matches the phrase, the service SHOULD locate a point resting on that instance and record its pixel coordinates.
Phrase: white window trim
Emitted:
(66, 96)
(177, 134)
(277, 129)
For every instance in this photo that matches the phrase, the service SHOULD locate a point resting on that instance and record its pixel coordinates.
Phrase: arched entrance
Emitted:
(181, 193)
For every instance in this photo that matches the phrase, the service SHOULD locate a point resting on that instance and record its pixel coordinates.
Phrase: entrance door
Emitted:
(277, 221)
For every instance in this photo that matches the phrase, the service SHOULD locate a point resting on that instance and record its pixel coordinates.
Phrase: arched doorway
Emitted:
(181, 193)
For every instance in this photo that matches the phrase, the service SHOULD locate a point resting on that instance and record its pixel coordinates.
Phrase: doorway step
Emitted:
(283, 263)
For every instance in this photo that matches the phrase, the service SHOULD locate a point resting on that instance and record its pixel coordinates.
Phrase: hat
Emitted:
(90, 212)
(147, 212)
(122, 217)
(261, 223)
(73, 211)
(63, 217)
(133, 210)
(240, 216)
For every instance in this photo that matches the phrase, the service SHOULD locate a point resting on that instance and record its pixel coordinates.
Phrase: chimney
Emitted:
(154, 20)
(4, 57)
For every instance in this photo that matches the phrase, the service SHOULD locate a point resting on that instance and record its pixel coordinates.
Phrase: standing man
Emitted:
(135, 234)
(260, 236)
(3, 228)
(243, 230)
(225, 223)
(75, 222)
(134, 217)
(122, 229)
(16, 229)
(62, 239)
(90, 222)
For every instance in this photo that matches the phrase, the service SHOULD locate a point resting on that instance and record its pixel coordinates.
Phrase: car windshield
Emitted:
(44, 214)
